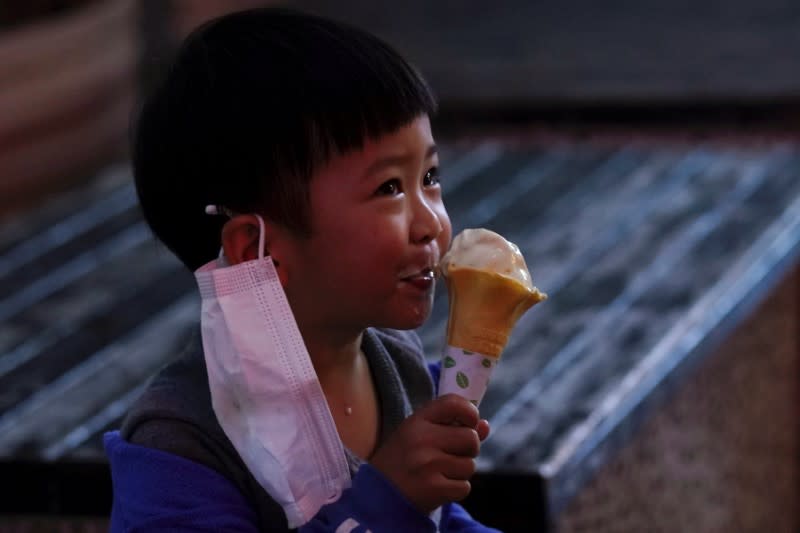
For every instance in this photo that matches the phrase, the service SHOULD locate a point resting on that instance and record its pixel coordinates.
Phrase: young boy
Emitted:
(288, 160)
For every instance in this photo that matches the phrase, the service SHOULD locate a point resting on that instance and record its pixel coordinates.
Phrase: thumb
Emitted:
(451, 409)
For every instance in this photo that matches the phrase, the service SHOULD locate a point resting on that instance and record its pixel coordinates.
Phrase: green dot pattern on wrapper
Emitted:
(465, 373)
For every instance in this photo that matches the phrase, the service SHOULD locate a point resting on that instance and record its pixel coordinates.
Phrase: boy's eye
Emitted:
(389, 188)
(431, 177)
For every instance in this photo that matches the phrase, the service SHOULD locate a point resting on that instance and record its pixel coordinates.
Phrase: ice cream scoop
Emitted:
(489, 288)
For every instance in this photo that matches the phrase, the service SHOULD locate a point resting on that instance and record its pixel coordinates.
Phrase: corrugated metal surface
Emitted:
(646, 249)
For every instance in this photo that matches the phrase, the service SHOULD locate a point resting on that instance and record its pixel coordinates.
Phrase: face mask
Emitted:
(264, 390)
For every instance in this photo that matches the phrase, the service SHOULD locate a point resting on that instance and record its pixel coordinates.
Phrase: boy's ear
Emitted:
(240, 242)
(240, 239)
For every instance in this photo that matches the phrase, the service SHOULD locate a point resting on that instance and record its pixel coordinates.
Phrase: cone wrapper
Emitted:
(465, 373)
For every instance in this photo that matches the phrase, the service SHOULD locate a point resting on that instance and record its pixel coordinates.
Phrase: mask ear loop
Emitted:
(212, 209)
(261, 232)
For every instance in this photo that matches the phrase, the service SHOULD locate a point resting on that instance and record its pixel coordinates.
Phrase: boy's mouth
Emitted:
(422, 279)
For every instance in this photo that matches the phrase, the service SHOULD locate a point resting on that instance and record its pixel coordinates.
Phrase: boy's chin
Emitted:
(408, 326)
(410, 322)
(405, 316)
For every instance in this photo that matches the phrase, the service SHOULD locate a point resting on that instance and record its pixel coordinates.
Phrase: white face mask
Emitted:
(264, 390)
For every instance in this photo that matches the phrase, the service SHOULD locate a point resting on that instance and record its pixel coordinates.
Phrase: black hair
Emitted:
(255, 102)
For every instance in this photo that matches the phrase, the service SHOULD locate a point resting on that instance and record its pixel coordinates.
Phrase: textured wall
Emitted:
(723, 455)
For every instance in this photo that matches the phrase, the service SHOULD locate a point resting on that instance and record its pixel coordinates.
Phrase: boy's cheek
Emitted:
(446, 235)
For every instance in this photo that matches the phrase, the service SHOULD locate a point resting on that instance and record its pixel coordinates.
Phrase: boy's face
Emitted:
(378, 228)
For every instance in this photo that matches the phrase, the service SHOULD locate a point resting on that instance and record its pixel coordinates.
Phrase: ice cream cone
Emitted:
(484, 308)
(489, 289)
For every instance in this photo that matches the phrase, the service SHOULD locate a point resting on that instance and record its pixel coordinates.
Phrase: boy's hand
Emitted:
(431, 456)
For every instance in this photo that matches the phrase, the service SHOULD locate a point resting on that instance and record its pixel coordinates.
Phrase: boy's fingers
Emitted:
(454, 440)
(483, 430)
(455, 490)
(451, 409)
(458, 468)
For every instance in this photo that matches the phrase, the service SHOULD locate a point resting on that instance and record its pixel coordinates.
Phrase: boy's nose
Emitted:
(425, 223)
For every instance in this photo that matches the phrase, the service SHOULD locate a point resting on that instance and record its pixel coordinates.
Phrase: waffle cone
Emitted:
(484, 307)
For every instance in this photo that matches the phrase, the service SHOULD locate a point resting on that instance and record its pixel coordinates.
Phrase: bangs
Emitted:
(325, 88)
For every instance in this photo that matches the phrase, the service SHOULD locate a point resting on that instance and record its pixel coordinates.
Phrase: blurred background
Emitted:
(72, 69)
(630, 134)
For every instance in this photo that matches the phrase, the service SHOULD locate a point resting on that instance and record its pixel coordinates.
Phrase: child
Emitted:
(288, 161)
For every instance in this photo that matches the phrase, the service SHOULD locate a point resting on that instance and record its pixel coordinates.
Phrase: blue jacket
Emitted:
(157, 491)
